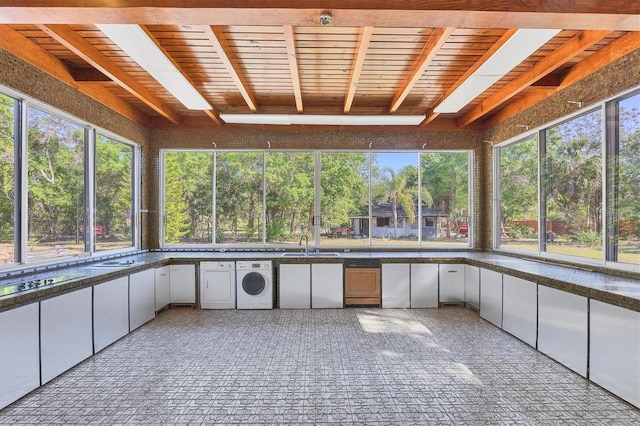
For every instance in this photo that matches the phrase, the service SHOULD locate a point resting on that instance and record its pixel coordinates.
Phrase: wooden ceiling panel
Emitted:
(246, 59)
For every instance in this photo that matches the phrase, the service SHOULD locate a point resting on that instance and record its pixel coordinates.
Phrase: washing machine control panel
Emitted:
(253, 265)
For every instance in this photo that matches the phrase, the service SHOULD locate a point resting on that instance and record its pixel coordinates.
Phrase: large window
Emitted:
(519, 194)
(625, 237)
(7, 179)
(114, 212)
(587, 188)
(334, 199)
(63, 192)
(55, 168)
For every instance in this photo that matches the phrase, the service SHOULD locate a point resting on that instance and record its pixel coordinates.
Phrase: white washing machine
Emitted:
(217, 285)
(254, 284)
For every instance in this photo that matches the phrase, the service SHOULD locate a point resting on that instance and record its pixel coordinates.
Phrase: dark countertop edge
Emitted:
(484, 260)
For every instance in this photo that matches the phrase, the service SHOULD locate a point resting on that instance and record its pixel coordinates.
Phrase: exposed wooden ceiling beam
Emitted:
(16, 44)
(362, 45)
(577, 44)
(64, 35)
(293, 66)
(431, 115)
(219, 42)
(612, 14)
(435, 41)
(598, 60)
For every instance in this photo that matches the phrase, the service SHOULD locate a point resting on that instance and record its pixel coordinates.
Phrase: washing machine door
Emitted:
(253, 283)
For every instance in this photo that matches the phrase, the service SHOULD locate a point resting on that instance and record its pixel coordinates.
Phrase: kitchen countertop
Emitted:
(613, 289)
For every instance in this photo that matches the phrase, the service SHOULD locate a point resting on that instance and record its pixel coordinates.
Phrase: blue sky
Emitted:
(397, 160)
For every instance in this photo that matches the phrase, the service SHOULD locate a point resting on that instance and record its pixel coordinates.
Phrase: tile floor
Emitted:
(339, 367)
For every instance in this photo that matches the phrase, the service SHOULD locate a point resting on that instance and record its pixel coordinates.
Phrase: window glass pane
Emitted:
(574, 194)
(289, 196)
(188, 197)
(445, 198)
(7, 187)
(394, 199)
(519, 195)
(344, 198)
(629, 181)
(239, 197)
(55, 158)
(114, 208)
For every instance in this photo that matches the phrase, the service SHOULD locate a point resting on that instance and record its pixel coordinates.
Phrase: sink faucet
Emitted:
(306, 247)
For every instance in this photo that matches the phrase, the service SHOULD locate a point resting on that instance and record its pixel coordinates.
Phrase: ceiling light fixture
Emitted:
(135, 42)
(323, 120)
(518, 48)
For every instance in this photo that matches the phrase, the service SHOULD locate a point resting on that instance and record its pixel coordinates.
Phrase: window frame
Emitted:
(23, 105)
(609, 146)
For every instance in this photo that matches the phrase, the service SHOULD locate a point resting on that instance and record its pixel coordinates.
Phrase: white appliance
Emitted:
(254, 284)
(217, 285)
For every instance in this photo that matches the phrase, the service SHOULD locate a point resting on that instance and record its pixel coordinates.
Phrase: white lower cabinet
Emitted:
(424, 285)
(327, 285)
(295, 286)
(183, 283)
(451, 283)
(520, 308)
(162, 281)
(110, 312)
(19, 353)
(142, 304)
(396, 285)
(472, 286)
(66, 336)
(562, 327)
(614, 360)
(491, 296)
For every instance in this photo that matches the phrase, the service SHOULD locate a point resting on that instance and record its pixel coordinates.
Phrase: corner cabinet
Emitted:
(19, 353)
(491, 296)
(183, 284)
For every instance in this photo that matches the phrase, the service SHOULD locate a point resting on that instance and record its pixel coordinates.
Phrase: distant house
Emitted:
(382, 225)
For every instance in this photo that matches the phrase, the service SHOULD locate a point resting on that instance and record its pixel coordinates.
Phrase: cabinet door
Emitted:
(614, 361)
(491, 296)
(19, 353)
(520, 308)
(142, 304)
(295, 286)
(424, 285)
(362, 286)
(472, 286)
(163, 289)
(183, 283)
(65, 332)
(562, 327)
(110, 312)
(396, 285)
(327, 289)
(451, 283)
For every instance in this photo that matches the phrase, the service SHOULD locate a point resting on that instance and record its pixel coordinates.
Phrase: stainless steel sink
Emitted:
(321, 254)
(115, 264)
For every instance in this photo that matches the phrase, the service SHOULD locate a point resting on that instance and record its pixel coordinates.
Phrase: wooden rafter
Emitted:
(598, 60)
(13, 42)
(437, 38)
(78, 45)
(431, 115)
(364, 38)
(577, 44)
(293, 66)
(219, 42)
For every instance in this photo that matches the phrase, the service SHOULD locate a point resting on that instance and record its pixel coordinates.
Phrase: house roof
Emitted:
(386, 210)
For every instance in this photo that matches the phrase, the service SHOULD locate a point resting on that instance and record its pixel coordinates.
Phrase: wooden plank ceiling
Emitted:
(374, 58)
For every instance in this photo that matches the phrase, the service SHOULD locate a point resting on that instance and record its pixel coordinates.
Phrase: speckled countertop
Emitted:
(619, 291)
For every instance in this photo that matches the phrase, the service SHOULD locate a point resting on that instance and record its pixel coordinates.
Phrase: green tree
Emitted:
(7, 184)
(343, 186)
(177, 223)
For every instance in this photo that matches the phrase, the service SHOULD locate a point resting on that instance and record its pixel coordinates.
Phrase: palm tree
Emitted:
(400, 194)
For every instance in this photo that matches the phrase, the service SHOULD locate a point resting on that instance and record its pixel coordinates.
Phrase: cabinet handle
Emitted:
(452, 272)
